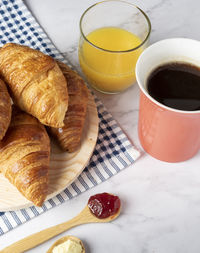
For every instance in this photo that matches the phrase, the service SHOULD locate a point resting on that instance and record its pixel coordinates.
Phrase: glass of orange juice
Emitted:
(113, 35)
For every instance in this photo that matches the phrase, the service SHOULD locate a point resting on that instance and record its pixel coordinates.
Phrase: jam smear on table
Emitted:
(104, 205)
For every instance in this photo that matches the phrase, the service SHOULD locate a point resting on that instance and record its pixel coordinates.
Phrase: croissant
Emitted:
(24, 156)
(36, 83)
(5, 109)
(69, 136)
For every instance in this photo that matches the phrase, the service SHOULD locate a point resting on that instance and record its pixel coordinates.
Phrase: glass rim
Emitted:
(116, 51)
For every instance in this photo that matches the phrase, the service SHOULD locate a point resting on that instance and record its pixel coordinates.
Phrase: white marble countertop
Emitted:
(161, 201)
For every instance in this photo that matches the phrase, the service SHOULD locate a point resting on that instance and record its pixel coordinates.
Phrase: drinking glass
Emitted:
(113, 35)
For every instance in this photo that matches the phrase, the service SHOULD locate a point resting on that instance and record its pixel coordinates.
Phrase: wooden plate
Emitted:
(64, 167)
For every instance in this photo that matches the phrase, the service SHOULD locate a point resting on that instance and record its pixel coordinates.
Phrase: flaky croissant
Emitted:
(5, 109)
(36, 83)
(24, 156)
(69, 136)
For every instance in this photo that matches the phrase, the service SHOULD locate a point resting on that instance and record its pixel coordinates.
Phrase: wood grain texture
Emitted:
(64, 167)
(31, 241)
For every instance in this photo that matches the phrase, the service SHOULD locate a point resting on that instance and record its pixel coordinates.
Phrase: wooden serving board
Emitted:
(64, 167)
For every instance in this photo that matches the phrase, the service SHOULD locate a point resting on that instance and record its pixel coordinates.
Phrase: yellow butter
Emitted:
(68, 246)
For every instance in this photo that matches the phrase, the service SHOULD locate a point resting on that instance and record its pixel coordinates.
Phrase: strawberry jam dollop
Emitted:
(104, 205)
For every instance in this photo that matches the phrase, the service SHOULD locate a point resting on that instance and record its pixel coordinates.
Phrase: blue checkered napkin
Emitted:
(113, 151)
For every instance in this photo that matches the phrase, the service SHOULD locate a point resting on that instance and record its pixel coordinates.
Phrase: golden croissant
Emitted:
(5, 109)
(24, 156)
(69, 136)
(36, 83)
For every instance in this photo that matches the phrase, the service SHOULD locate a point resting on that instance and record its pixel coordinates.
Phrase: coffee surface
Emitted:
(176, 85)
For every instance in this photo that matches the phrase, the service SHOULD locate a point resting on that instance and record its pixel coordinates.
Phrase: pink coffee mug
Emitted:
(165, 133)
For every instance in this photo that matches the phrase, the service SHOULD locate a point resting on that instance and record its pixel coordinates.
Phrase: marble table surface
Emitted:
(161, 201)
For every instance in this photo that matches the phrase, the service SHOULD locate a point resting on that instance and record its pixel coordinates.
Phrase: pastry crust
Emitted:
(69, 136)
(24, 156)
(36, 83)
(5, 109)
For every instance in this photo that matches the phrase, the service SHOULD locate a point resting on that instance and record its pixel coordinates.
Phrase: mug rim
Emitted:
(142, 87)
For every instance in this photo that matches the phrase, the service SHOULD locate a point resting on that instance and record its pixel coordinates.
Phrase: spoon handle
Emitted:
(36, 239)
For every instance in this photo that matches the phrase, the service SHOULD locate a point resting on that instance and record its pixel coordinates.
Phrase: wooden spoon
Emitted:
(64, 239)
(84, 217)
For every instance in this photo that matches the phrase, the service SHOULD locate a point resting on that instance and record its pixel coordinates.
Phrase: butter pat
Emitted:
(68, 246)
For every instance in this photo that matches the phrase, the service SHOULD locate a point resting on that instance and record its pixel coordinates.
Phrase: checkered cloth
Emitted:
(113, 151)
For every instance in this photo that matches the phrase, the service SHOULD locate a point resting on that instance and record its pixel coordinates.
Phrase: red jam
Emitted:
(104, 205)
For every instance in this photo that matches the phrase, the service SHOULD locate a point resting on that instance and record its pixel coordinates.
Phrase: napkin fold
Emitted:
(113, 151)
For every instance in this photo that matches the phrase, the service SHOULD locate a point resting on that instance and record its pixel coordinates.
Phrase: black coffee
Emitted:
(176, 85)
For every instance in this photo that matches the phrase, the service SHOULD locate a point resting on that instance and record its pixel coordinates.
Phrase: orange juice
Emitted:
(109, 66)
